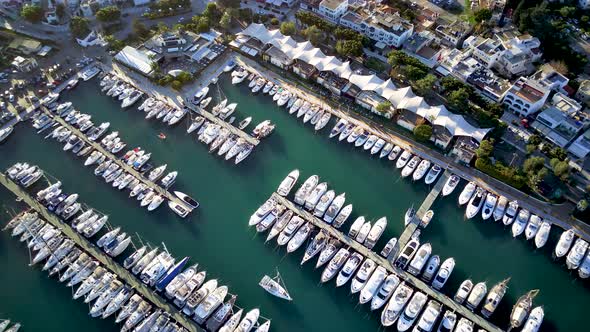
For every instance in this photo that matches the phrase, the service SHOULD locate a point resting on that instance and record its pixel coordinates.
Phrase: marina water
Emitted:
(217, 237)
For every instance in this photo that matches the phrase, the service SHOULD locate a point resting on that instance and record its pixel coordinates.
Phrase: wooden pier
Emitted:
(415, 223)
(108, 154)
(106, 261)
(234, 130)
(409, 278)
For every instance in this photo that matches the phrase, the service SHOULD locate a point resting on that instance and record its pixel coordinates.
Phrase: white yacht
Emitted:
(262, 211)
(428, 317)
(421, 170)
(476, 295)
(520, 222)
(363, 232)
(464, 325)
(335, 264)
(210, 304)
(278, 226)
(532, 227)
(315, 246)
(565, 242)
(432, 174)
(447, 324)
(288, 232)
(362, 275)
(386, 150)
(378, 146)
(410, 166)
(396, 304)
(323, 203)
(385, 291)
(334, 208)
(182, 293)
(315, 195)
(443, 273)
(388, 247)
(431, 268)
(305, 189)
(584, 269)
(450, 185)
(371, 140)
(342, 216)
(411, 312)
(328, 252)
(250, 319)
(346, 132)
(403, 159)
(275, 286)
(420, 259)
(232, 322)
(463, 291)
(407, 253)
(299, 237)
(575, 256)
(349, 268)
(394, 153)
(467, 193)
(489, 206)
(500, 208)
(376, 232)
(373, 284)
(543, 234)
(288, 183)
(535, 320)
(510, 214)
(338, 127)
(475, 203)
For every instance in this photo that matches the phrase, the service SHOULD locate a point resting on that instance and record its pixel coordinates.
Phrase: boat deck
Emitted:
(412, 280)
(127, 168)
(234, 130)
(426, 205)
(126, 276)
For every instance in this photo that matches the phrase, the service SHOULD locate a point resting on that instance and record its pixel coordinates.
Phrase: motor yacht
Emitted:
(351, 265)
(489, 206)
(328, 252)
(576, 255)
(182, 293)
(467, 193)
(362, 276)
(431, 268)
(565, 242)
(403, 159)
(534, 321)
(532, 227)
(388, 247)
(421, 170)
(250, 319)
(494, 297)
(290, 230)
(372, 285)
(543, 234)
(411, 312)
(520, 223)
(315, 246)
(443, 274)
(288, 183)
(299, 237)
(407, 253)
(347, 132)
(335, 264)
(510, 214)
(375, 233)
(410, 166)
(476, 295)
(475, 203)
(314, 196)
(323, 203)
(447, 324)
(420, 258)
(342, 216)
(396, 304)
(428, 317)
(463, 291)
(386, 150)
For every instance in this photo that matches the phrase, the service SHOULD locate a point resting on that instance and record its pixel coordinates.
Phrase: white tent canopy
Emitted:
(402, 98)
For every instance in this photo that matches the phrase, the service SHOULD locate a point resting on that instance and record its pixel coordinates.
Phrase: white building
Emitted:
(581, 146)
(525, 97)
(520, 53)
(584, 4)
(390, 29)
(333, 9)
(486, 50)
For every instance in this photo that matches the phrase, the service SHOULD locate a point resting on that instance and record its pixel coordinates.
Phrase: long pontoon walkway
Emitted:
(412, 280)
(103, 258)
(115, 159)
(426, 205)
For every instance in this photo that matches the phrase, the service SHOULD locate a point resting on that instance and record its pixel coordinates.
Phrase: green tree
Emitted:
(212, 12)
(184, 77)
(458, 99)
(535, 140)
(582, 205)
(274, 21)
(287, 28)
(225, 21)
(533, 164)
(558, 153)
(567, 11)
(414, 73)
(60, 10)
(530, 148)
(203, 25)
(349, 47)
(32, 13)
(161, 27)
(314, 35)
(108, 14)
(482, 15)
(79, 26)
(176, 85)
(140, 29)
(561, 169)
(114, 44)
(384, 107)
(423, 132)
(485, 150)
(424, 85)
(229, 3)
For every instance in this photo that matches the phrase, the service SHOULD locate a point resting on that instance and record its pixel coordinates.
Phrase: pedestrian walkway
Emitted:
(409, 278)
(99, 255)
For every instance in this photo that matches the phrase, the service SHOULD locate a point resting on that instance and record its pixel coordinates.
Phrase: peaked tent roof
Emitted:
(399, 98)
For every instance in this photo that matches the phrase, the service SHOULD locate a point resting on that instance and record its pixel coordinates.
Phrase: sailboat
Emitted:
(275, 286)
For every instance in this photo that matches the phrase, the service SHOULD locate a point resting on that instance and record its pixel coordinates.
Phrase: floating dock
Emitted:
(234, 130)
(426, 205)
(115, 159)
(409, 278)
(126, 276)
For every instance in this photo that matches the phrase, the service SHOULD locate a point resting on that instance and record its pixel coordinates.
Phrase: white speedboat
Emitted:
(475, 203)
(407, 253)
(299, 237)
(476, 295)
(431, 268)
(533, 323)
(575, 256)
(447, 324)
(403, 159)
(428, 317)
(250, 319)
(584, 269)
(349, 269)
(262, 211)
(543, 234)
(323, 203)
(305, 189)
(467, 193)
(510, 214)
(328, 252)
(362, 276)
(334, 208)
(520, 222)
(421, 170)
(396, 304)
(443, 273)
(394, 153)
(489, 206)
(315, 195)
(386, 150)
(432, 174)
(346, 132)
(371, 140)
(565, 242)
(378, 146)
(356, 226)
(323, 121)
(411, 312)
(131, 99)
(464, 325)
(388, 247)
(355, 135)
(532, 227)
(288, 183)
(410, 166)
(288, 232)
(342, 216)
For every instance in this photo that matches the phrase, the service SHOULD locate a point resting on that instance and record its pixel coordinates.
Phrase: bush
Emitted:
(176, 85)
(274, 21)
(501, 172)
(32, 13)
(79, 26)
(288, 28)
(108, 14)
(423, 132)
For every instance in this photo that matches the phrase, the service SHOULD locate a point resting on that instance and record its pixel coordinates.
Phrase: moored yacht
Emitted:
(500, 208)
(565, 242)
(467, 193)
(334, 208)
(520, 222)
(463, 291)
(349, 268)
(428, 317)
(532, 227)
(476, 295)
(411, 312)
(315, 246)
(575, 256)
(421, 170)
(362, 276)
(489, 206)
(420, 259)
(396, 304)
(410, 166)
(372, 286)
(288, 183)
(534, 321)
(443, 273)
(510, 214)
(376, 232)
(335, 264)
(475, 203)
(304, 191)
(385, 291)
(494, 297)
(543, 234)
(403, 159)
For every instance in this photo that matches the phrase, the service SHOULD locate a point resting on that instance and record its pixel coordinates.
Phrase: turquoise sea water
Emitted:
(217, 236)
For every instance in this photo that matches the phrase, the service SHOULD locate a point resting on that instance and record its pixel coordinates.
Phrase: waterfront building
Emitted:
(525, 97)
(379, 24)
(24, 65)
(332, 9)
(136, 60)
(561, 121)
(424, 47)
